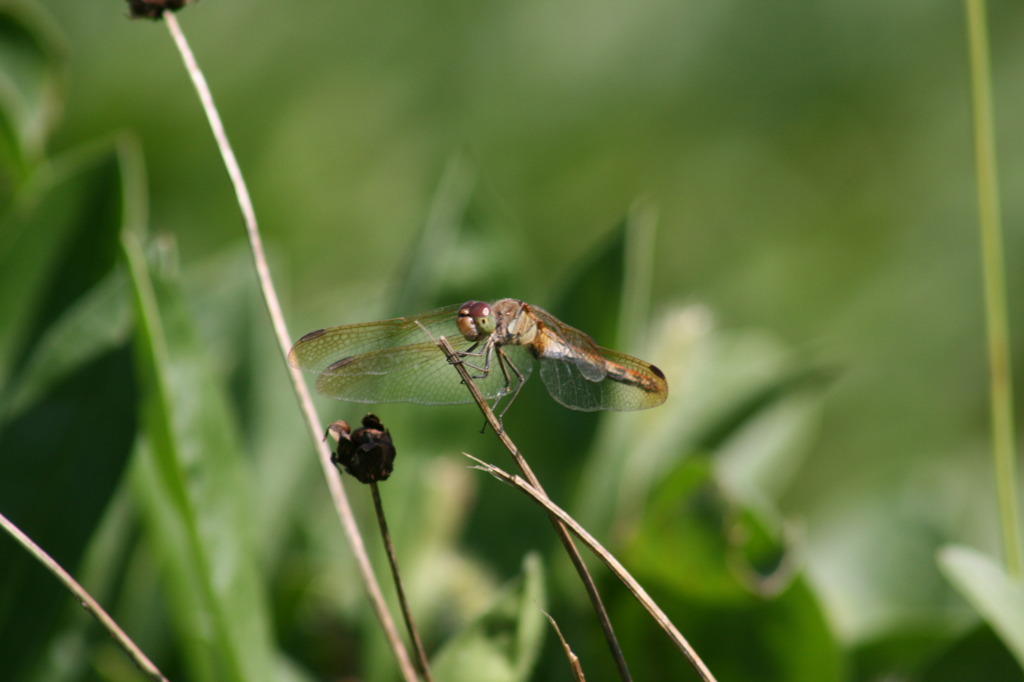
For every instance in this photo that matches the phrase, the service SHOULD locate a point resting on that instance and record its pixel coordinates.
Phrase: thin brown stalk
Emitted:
(560, 529)
(90, 605)
(538, 496)
(389, 548)
(574, 660)
(273, 306)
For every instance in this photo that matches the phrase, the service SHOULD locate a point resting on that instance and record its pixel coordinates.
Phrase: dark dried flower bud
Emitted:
(154, 9)
(366, 453)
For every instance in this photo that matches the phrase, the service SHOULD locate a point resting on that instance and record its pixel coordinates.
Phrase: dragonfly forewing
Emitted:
(415, 373)
(318, 350)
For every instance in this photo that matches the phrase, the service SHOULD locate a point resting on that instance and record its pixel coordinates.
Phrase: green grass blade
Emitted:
(989, 221)
(192, 486)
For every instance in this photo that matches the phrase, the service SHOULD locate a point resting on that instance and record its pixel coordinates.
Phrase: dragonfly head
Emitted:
(475, 320)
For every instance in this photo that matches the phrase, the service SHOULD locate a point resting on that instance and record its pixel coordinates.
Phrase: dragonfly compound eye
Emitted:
(475, 320)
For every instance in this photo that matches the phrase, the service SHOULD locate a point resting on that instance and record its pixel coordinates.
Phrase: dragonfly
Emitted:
(397, 360)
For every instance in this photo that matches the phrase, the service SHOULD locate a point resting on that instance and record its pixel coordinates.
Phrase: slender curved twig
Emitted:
(273, 305)
(389, 548)
(605, 556)
(560, 529)
(570, 655)
(91, 606)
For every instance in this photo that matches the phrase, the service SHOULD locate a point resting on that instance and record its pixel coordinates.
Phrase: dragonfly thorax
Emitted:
(514, 327)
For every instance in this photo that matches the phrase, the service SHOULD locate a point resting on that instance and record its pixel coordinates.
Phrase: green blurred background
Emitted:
(811, 171)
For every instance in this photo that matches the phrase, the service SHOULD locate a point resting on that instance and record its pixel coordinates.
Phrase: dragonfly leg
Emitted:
(485, 352)
(509, 390)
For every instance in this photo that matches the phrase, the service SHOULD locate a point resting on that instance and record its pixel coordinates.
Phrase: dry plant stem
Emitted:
(574, 660)
(341, 504)
(86, 600)
(609, 560)
(563, 534)
(389, 548)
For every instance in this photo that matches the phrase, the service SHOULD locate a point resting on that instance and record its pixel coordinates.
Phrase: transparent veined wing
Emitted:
(419, 373)
(396, 361)
(318, 350)
(629, 383)
(567, 344)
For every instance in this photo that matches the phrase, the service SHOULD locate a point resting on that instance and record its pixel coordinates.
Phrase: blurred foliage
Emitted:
(772, 203)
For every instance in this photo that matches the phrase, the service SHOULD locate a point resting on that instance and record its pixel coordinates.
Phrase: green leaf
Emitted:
(905, 652)
(975, 650)
(68, 415)
(994, 595)
(503, 644)
(231, 316)
(591, 296)
(61, 240)
(194, 489)
(607, 295)
(741, 396)
(32, 75)
(706, 546)
(96, 322)
(786, 637)
(62, 458)
(723, 574)
(681, 539)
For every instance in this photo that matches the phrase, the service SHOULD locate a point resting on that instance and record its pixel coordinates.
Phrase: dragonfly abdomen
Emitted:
(622, 374)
